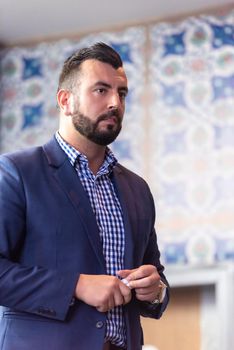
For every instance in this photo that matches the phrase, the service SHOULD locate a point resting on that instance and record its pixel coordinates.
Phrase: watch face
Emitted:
(155, 302)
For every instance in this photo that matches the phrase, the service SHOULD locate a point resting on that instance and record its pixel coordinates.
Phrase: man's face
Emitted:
(99, 102)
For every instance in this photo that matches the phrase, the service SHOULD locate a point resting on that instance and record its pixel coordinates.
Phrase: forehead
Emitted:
(94, 70)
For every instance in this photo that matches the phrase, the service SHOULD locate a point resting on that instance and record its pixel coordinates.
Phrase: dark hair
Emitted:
(99, 51)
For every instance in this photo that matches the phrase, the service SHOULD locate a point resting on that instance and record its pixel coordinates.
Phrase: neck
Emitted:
(94, 153)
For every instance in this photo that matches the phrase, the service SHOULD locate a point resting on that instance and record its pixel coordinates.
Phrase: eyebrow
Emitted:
(104, 84)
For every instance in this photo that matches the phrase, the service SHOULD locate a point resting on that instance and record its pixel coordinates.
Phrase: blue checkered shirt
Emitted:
(108, 213)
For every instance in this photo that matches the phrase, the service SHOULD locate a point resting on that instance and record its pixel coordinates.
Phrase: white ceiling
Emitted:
(30, 20)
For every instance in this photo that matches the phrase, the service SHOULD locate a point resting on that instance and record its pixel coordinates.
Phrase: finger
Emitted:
(152, 279)
(126, 293)
(145, 291)
(139, 273)
(111, 302)
(118, 299)
(145, 297)
(124, 289)
(102, 308)
(127, 298)
(142, 283)
(123, 273)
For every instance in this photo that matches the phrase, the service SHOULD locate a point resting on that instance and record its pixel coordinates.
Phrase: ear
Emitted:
(64, 98)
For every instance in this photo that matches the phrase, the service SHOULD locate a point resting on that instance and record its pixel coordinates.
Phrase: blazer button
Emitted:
(44, 311)
(99, 324)
(51, 312)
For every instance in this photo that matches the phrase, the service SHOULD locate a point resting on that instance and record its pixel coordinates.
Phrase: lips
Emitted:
(112, 119)
(112, 115)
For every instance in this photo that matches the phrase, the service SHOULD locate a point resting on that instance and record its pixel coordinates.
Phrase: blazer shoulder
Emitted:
(28, 156)
(22, 158)
(22, 154)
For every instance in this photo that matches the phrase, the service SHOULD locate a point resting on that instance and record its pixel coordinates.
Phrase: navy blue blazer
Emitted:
(48, 236)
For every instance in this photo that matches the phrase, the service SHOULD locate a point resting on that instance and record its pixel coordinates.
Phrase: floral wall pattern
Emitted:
(187, 127)
(192, 135)
(29, 77)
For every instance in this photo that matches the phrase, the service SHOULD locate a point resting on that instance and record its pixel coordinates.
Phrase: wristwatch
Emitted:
(161, 294)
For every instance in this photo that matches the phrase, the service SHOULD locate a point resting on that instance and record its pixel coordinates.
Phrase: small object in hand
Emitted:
(125, 281)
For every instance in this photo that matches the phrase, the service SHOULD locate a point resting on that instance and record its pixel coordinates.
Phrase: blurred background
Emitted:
(178, 132)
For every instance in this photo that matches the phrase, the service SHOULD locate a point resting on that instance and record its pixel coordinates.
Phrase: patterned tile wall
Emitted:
(29, 77)
(189, 129)
(192, 137)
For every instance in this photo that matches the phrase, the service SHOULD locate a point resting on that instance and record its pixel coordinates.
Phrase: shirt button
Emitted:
(99, 324)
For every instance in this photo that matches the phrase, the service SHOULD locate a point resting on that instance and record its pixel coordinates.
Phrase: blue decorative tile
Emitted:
(32, 115)
(32, 67)
(124, 50)
(223, 86)
(174, 44)
(222, 35)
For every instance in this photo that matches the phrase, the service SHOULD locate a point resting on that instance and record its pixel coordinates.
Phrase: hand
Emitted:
(145, 280)
(102, 291)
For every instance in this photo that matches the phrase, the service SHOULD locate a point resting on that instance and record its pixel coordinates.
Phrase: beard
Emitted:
(86, 127)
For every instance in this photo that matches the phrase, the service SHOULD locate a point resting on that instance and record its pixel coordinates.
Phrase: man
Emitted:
(79, 262)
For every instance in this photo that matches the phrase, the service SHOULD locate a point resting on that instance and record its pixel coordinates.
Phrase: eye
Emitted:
(100, 91)
(123, 95)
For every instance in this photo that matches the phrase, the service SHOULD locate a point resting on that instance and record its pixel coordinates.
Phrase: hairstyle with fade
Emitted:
(71, 67)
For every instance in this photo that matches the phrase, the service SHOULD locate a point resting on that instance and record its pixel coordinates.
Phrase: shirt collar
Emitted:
(75, 156)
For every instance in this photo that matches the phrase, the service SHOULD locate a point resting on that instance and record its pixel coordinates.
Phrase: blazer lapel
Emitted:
(67, 177)
(126, 198)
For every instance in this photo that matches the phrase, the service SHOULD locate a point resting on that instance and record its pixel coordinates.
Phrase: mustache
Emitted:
(109, 114)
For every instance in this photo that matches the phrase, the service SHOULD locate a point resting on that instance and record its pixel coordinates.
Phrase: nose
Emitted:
(114, 101)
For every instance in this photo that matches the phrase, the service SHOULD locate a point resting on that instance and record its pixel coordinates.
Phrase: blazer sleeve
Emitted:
(33, 289)
(152, 257)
